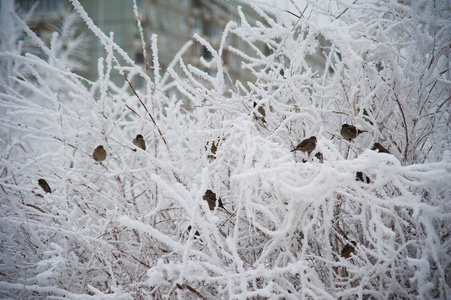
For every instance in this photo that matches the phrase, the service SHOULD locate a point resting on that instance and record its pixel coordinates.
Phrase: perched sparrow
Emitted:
(379, 147)
(44, 185)
(307, 145)
(359, 176)
(349, 132)
(262, 113)
(210, 197)
(139, 142)
(99, 153)
(213, 148)
(348, 249)
(320, 157)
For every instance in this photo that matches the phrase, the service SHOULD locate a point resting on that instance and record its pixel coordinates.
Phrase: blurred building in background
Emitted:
(174, 21)
(43, 17)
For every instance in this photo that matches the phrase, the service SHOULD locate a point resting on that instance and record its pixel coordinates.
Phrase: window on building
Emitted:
(197, 25)
(215, 31)
(183, 25)
(234, 41)
(206, 54)
(42, 5)
(182, 4)
(163, 41)
(225, 57)
(206, 28)
(235, 64)
(173, 21)
(197, 3)
(139, 58)
(162, 19)
(140, 5)
(214, 9)
(152, 13)
(140, 83)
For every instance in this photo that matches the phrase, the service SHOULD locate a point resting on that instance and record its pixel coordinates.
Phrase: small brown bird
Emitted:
(349, 132)
(262, 113)
(348, 249)
(307, 145)
(320, 157)
(213, 148)
(139, 142)
(359, 176)
(379, 147)
(44, 185)
(210, 197)
(99, 153)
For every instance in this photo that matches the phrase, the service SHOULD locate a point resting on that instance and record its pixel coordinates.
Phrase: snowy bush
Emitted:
(135, 226)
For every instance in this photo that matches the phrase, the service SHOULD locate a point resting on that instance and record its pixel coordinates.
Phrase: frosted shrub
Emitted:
(351, 224)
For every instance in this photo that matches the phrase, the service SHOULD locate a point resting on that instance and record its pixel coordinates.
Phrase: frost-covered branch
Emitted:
(343, 221)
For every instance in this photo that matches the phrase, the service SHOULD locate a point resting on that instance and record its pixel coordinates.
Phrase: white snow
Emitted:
(119, 229)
